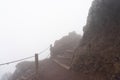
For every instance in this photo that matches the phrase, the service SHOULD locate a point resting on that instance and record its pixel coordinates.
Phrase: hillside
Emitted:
(49, 69)
(99, 49)
(67, 43)
(96, 55)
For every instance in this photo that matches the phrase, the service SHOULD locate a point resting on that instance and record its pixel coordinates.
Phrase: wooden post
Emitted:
(36, 66)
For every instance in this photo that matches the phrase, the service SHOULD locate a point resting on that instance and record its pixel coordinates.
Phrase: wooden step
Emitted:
(60, 64)
(63, 57)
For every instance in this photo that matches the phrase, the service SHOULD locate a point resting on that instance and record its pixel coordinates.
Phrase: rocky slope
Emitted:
(24, 70)
(98, 53)
(48, 69)
(99, 49)
(65, 44)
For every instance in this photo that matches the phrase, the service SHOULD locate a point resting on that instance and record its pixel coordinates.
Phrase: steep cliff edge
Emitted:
(99, 49)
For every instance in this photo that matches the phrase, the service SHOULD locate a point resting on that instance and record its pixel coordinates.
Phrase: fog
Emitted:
(29, 26)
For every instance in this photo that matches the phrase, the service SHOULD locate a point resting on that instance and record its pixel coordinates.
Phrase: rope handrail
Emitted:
(23, 58)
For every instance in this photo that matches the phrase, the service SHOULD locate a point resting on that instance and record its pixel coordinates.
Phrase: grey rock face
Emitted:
(99, 48)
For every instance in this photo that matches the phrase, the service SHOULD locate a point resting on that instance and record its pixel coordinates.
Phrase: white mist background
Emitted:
(29, 26)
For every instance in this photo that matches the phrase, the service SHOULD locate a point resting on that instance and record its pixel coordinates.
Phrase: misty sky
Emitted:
(29, 26)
